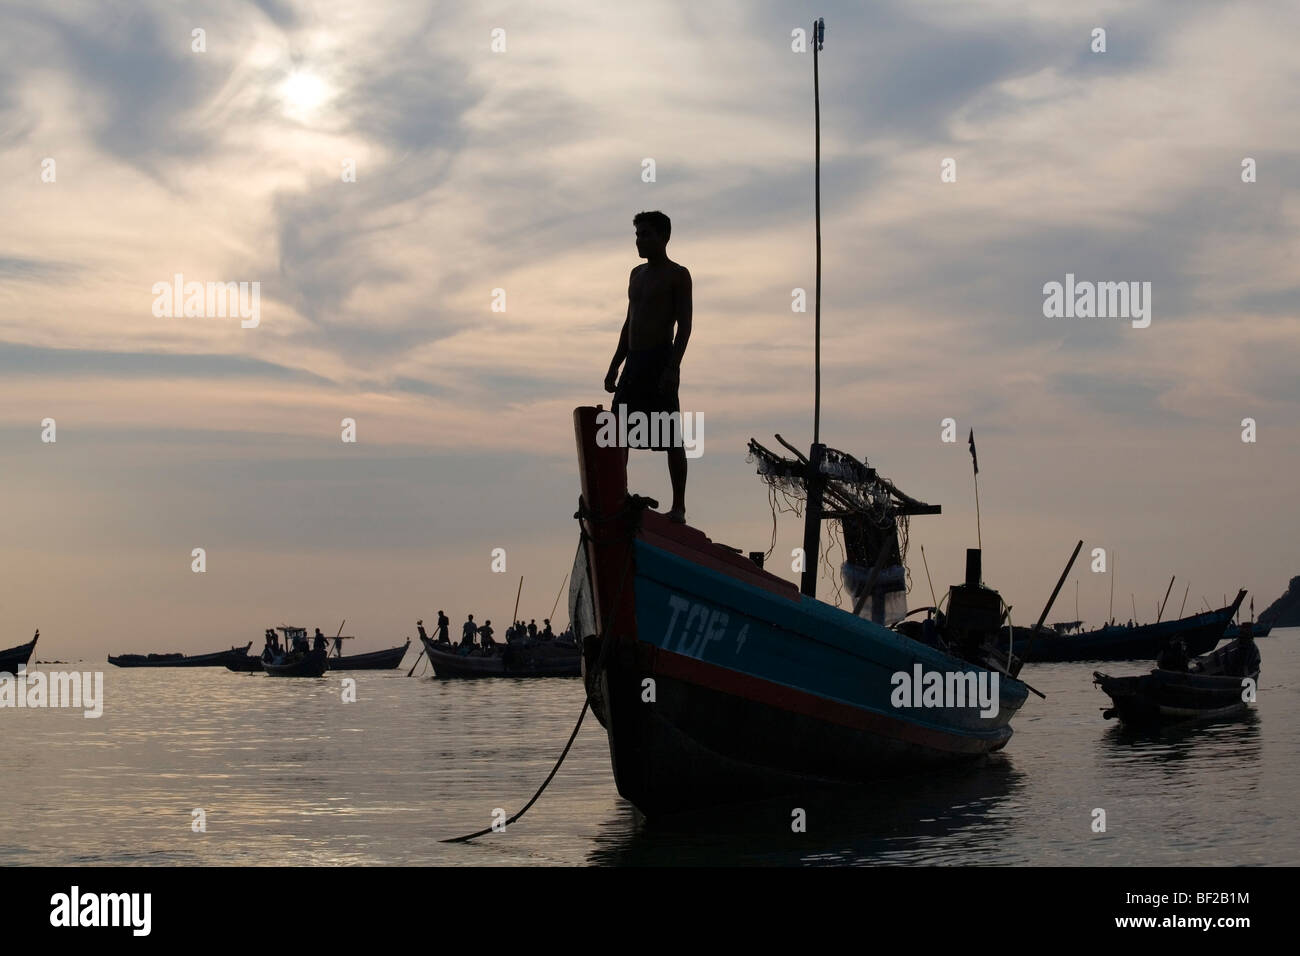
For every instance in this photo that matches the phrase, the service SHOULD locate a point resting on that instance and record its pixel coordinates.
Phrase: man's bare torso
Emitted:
(653, 294)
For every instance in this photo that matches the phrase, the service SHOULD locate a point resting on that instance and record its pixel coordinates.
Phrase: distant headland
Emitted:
(1285, 611)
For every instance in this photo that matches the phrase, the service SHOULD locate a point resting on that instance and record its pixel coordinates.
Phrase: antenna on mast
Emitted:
(816, 454)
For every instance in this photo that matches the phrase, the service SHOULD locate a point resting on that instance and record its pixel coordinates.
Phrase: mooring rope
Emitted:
(586, 704)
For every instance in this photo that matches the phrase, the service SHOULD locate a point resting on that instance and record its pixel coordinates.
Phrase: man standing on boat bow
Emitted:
(659, 299)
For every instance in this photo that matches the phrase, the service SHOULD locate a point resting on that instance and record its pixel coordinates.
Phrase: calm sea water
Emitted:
(287, 773)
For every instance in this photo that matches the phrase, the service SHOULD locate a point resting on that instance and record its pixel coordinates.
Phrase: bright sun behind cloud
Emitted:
(303, 93)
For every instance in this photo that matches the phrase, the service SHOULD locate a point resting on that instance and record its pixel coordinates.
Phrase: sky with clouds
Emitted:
(521, 170)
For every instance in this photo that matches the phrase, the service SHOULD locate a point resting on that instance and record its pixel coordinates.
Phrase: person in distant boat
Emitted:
(547, 633)
(444, 623)
(320, 642)
(272, 647)
(659, 300)
(485, 637)
(1173, 657)
(532, 629)
(467, 632)
(338, 646)
(1243, 660)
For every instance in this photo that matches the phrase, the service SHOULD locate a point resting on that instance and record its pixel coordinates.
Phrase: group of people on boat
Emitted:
(487, 644)
(299, 643)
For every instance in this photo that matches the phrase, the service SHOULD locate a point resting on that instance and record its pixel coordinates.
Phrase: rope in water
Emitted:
(586, 704)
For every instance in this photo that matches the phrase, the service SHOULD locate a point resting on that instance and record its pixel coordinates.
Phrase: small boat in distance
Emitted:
(297, 658)
(527, 658)
(1252, 627)
(12, 658)
(1200, 634)
(218, 659)
(1211, 686)
(370, 661)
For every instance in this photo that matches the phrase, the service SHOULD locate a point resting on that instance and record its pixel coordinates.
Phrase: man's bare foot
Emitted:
(677, 515)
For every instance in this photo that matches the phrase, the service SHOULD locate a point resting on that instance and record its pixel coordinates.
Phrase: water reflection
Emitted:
(943, 816)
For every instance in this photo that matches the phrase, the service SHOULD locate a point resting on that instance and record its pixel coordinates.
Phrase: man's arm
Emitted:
(611, 377)
(682, 317)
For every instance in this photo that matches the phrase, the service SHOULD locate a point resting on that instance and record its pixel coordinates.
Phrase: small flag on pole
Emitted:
(974, 461)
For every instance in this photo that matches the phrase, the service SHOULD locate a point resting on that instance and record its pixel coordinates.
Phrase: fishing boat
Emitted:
(526, 658)
(12, 658)
(370, 661)
(1214, 685)
(218, 659)
(1252, 627)
(1200, 634)
(296, 658)
(718, 682)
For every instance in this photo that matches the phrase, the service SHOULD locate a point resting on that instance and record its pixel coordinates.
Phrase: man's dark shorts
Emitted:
(638, 389)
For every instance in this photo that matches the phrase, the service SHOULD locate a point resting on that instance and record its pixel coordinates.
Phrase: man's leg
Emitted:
(677, 475)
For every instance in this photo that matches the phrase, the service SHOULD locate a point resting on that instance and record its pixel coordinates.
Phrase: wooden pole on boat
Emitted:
(514, 617)
(1111, 613)
(1184, 604)
(933, 600)
(1161, 613)
(1133, 601)
(557, 596)
(1047, 608)
(812, 526)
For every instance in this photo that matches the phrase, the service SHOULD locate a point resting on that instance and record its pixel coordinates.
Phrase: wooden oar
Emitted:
(423, 654)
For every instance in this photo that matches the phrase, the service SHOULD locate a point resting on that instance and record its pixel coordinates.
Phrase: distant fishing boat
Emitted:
(249, 663)
(295, 661)
(1211, 686)
(527, 658)
(217, 659)
(12, 658)
(1252, 627)
(370, 661)
(1200, 633)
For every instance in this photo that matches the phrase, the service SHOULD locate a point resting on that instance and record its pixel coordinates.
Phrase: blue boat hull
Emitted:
(722, 684)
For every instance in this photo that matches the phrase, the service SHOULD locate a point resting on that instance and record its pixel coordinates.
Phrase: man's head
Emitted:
(652, 232)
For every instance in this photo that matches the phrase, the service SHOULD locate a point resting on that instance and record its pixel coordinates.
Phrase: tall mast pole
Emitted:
(816, 480)
(819, 29)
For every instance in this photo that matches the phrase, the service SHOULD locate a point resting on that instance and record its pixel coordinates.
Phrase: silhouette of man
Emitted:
(467, 632)
(659, 299)
(443, 623)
